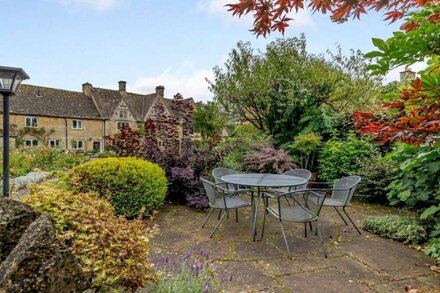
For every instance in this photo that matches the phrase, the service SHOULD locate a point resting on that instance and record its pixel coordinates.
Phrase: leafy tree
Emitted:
(415, 109)
(285, 90)
(209, 119)
(272, 15)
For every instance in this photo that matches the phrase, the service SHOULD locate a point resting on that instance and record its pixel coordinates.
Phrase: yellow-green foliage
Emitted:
(111, 250)
(133, 186)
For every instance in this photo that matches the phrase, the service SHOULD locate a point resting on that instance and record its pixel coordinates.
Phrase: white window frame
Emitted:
(56, 143)
(125, 116)
(120, 124)
(78, 122)
(30, 119)
(31, 142)
(75, 144)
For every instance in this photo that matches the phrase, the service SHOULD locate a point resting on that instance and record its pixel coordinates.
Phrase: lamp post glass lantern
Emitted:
(10, 79)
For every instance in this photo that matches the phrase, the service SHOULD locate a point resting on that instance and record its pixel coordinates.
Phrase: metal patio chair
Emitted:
(305, 207)
(303, 173)
(230, 189)
(341, 194)
(219, 199)
(219, 172)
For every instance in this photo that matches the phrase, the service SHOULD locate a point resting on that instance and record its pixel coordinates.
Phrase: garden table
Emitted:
(262, 180)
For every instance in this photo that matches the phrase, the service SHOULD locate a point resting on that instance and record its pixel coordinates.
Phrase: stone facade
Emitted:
(78, 120)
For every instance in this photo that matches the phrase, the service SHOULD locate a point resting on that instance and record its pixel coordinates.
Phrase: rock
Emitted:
(39, 263)
(23, 181)
(15, 217)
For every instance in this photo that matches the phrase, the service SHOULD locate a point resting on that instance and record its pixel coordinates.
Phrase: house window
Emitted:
(54, 143)
(123, 124)
(31, 142)
(78, 144)
(77, 124)
(31, 122)
(123, 114)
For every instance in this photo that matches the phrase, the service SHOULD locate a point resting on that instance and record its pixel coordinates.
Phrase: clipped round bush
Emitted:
(133, 186)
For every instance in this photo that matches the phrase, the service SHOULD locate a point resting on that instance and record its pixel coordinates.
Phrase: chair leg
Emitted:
(341, 216)
(209, 215)
(264, 219)
(218, 224)
(305, 229)
(345, 212)
(285, 240)
(288, 202)
(266, 204)
(236, 215)
(310, 225)
(252, 204)
(254, 227)
(324, 248)
(219, 214)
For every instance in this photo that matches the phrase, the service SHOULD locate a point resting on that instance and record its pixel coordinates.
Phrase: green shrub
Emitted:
(243, 140)
(404, 229)
(133, 186)
(433, 249)
(112, 251)
(376, 173)
(304, 149)
(24, 160)
(417, 183)
(340, 158)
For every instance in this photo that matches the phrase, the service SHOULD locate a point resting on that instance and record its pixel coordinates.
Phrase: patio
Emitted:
(356, 263)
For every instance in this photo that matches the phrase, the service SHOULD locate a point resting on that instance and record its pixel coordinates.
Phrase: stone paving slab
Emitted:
(356, 263)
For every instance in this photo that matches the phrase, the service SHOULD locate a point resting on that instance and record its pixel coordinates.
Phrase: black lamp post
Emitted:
(10, 78)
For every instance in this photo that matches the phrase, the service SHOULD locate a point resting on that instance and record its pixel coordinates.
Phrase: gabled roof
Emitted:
(92, 103)
(108, 100)
(43, 101)
(168, 103)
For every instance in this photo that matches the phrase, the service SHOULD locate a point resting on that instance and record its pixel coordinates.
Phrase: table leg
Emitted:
(257, 203)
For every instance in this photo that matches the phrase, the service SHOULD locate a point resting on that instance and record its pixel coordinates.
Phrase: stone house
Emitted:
(78, 120)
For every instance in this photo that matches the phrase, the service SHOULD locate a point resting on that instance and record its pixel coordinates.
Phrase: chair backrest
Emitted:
(344, 188)
(218, 173)
(210, 190)
(303, 173)
(312, 199)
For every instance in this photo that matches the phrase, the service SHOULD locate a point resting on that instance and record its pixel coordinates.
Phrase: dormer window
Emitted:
(77, 124)
(123, 114)
(31, 121)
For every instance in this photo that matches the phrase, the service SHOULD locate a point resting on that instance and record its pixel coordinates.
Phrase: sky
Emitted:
(65, 43)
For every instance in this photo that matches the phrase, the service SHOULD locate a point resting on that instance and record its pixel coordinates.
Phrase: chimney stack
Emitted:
(160, 90)
(87, 89)
(407, 75)
(122, 87)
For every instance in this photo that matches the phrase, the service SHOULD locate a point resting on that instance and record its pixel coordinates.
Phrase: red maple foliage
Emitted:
(418, 119)
(272, 15)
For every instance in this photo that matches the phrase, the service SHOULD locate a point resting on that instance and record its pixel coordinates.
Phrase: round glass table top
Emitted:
(264, 180)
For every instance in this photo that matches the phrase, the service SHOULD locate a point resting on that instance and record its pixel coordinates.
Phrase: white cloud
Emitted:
(184, 79)
(302, 18)
(98, 5)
